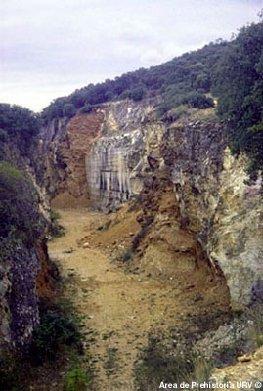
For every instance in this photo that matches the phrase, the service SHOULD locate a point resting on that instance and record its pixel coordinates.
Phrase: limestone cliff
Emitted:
(60, 164)
(123, 151)
(23, 254)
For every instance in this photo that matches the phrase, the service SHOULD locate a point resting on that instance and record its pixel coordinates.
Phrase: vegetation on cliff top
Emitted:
(174, 80)
(19, 125)
(238, 83)
(230, 71)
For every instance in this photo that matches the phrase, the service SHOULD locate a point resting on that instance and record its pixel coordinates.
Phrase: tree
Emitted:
(69, 110)
(237, 81)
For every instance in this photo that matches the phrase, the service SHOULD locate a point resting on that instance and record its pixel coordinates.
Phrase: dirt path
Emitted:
(121, 308)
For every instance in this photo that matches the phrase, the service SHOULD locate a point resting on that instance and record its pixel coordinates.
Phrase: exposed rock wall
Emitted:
(19, 294)
(22, 298)
(215, 204)
(23, 255)
(116, 161)
(225, 213)
(62, 147)
(235, 242)
(125, 150)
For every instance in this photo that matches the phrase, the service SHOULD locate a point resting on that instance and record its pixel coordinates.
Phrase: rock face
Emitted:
(62, 147)
(19, 295)
(236, 242)
(128, 153)
(249, 371)
(23, 299)
(225, 213)
(113, 174)
(22, 258)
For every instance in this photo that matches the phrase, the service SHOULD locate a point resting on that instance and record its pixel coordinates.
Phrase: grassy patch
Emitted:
(56, 229)
(175, 365)
(255, 315)
(77, 379)
(59, 329)
(111, 364)
(127, 255)
(57, 343)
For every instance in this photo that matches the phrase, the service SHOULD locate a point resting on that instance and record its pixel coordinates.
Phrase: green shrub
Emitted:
(77, 379)
(69, 110)
(59, 327)
(19, 216)
(3, 136)
(56, 229)
(86, 109)
(16, 120)
(127, 255)
(196, 100)
(137, 94)
(176, 113)
(237, 82)
(172, 365)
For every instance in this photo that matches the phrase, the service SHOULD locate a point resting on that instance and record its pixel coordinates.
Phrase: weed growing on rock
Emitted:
(77, 379)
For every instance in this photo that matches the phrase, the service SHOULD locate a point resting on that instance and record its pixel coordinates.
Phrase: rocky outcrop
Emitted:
(20, 293)
(247, 373)
(122, 151)
(62, 147)
(235, 242)
(23, 252)
(224, 211)
(114, 162)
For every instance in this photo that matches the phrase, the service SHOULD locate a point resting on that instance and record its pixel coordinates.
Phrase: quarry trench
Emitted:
(120, 307)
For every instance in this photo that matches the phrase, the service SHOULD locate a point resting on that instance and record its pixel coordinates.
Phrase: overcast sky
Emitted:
(51, 47)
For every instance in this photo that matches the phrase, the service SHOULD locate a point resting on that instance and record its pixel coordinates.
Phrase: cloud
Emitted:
(49, 48)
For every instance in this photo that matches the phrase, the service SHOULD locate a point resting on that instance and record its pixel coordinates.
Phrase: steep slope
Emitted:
(23, 255)
(135, 155)
(62, 147)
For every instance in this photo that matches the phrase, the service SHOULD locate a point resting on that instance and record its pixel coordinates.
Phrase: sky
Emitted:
(49, 48)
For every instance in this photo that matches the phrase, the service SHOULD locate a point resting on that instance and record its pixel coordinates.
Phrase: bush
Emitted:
(176, 113)
(3, 136)
(59, 327)
(19, 214)
(69, 110)
(173, 366)
(237, 82)
(137, 94)
(77, 379)
(127, 255)
(56, 229)
(3, 139)
(17, 120)
(196, 100)
(86, 109)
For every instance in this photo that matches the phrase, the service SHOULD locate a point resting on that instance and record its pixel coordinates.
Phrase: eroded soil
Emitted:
(122, 307)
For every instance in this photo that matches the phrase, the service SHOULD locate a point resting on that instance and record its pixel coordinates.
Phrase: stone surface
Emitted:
(62, 147)
(122, 151)
(245, 371)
